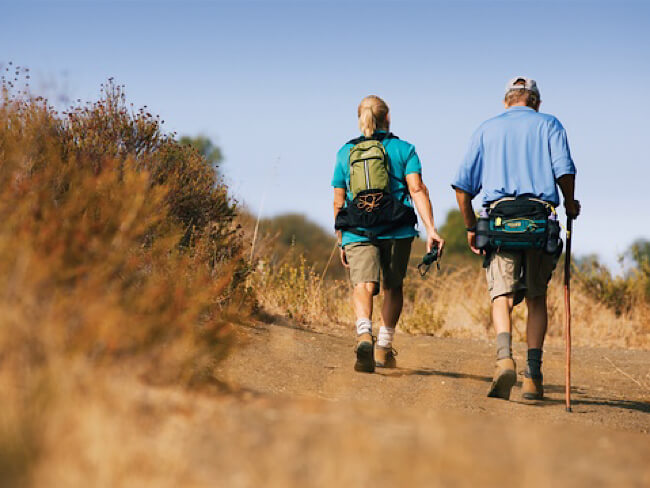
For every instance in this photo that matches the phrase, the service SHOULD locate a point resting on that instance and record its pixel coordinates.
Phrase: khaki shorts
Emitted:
(524, 273)
(388, 259)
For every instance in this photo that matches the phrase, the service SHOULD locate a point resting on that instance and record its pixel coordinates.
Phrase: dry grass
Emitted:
(299, 293)
(453, 303)
(116, 244)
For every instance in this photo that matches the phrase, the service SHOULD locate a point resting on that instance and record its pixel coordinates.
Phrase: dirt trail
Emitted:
(430, 423)
(300, 417)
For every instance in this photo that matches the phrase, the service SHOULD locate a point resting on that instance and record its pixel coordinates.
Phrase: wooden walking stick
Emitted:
(567, 308)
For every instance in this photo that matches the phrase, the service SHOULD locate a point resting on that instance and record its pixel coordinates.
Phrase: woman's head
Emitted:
(373, 114)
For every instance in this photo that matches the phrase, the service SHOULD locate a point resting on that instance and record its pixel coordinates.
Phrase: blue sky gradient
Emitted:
(276, 85)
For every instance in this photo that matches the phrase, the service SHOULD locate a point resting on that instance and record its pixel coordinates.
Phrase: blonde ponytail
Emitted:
(367, 122)
(373, 115)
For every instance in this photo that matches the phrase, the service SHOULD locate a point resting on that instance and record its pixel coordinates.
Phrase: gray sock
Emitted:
(504, 348)
(534, 363)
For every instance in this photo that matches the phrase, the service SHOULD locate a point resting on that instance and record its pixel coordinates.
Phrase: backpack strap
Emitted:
(375, 137)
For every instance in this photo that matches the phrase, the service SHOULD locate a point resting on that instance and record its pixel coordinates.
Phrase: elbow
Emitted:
(419, 188)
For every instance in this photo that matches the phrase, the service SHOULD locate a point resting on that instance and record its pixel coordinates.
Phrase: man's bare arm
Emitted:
(465, 205)
(567, 184)
(464, 200)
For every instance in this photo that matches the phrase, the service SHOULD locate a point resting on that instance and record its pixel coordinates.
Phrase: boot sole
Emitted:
(365, 358)
(532, 396)
(386, 365)
(502, 385)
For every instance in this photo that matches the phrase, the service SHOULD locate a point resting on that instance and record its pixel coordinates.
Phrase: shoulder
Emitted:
(488, 124)
(551, 121)
(497, 120)
(400, 150)
(344, 151)
(401, 144)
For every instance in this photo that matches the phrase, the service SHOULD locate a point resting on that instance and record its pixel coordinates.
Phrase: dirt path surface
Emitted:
(429, 422)
(299, 416)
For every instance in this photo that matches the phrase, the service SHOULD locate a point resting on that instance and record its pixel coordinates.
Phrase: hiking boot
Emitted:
(532, 388)
(365, 354)
(505, 377)
(385, 357)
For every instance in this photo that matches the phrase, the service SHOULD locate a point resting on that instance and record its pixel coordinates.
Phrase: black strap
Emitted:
(486, 257)
(377, 136)
(373, 236)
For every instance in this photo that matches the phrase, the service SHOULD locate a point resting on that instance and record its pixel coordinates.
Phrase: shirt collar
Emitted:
(519, 107)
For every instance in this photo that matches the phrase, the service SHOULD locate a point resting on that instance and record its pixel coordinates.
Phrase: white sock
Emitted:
(386, 335)
(364, 326)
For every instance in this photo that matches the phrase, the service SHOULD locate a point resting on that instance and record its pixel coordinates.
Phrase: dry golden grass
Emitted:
(115, 243)
(452, 303)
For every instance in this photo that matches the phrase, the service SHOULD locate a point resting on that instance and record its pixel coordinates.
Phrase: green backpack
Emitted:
(374, 210)
(368, 168)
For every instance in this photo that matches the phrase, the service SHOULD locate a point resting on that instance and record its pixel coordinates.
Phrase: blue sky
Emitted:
(276, 85)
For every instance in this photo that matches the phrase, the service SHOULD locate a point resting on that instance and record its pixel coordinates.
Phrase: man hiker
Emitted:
(518, 159)
(377, 180)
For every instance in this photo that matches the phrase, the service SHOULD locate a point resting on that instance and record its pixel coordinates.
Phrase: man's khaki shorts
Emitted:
(388, 259)
(524, 273)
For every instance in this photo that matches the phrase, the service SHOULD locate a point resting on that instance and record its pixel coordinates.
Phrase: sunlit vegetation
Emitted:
(117, 245)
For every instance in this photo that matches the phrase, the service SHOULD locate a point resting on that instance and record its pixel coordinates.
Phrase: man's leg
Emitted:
(539, 268)
(537, 321)
(502, 320)
(533, 387)
(503, 275)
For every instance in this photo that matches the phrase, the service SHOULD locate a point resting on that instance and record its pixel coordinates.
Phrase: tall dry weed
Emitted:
(300, 293)
(452, 303)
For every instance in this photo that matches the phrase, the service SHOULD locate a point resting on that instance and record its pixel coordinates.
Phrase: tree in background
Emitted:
(301, 236)
(205, 147)
(639, 251)
(455, 234)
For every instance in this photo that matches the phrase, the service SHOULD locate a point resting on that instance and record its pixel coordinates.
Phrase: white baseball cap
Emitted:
(522, 83)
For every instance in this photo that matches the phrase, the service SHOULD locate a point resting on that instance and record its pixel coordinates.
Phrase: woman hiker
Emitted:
(377, 181)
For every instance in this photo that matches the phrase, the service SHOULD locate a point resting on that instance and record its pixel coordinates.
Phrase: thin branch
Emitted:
(641, 384)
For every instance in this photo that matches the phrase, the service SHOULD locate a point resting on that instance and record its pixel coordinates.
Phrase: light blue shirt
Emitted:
(403, 160)
(520, 152)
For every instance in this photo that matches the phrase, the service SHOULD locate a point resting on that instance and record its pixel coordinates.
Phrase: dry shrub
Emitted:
(300, 293)
(451, 303)
(116, 243)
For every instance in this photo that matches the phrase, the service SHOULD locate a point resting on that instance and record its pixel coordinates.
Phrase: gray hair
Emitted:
(517, 95)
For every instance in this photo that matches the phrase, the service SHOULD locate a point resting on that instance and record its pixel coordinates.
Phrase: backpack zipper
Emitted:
(365, 165)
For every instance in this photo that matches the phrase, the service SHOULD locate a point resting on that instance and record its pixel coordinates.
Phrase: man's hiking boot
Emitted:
(385, 357)
(365, 354)
(505, 377)
(532, 388)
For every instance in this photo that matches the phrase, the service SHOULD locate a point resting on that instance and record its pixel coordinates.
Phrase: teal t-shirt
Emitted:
(403, 160)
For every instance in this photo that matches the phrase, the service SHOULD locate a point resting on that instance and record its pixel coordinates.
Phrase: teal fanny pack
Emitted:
(518, 224)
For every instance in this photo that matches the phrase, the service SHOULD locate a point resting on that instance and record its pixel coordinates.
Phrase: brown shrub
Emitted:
(115, 243)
